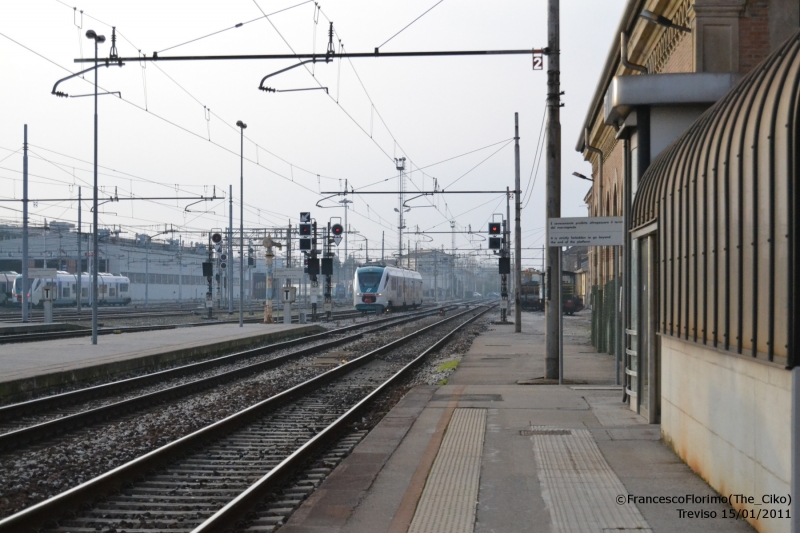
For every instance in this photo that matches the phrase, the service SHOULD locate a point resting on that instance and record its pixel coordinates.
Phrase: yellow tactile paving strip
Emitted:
(578, 486)
(448, 502)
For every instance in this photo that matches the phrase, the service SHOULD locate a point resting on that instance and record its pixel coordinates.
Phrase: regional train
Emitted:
(378, 288)
(112, 290)
(6, 284)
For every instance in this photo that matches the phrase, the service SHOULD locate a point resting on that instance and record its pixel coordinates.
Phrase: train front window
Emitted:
(368, 281)
(18, 285)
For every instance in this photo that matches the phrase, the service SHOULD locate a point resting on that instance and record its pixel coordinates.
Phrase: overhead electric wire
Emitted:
(239, 25)
(479, 164)
(409, 24)
(537, 159)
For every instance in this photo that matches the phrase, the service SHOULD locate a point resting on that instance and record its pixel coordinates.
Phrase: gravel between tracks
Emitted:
(32, 475)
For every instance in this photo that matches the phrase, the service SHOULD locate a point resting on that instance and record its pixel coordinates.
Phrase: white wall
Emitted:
(729, 419)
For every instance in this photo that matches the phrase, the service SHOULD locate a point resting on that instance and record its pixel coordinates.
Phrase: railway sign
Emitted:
(289, 294)
(305, 217)
(586, 231)
(291, 273)
(337, 239)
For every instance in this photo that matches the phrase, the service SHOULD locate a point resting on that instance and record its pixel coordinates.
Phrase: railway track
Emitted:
(26, 422)
(52, 335)
(228, 472)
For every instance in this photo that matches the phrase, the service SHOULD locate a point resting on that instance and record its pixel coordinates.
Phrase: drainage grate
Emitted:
(529, 432)
(467, 398)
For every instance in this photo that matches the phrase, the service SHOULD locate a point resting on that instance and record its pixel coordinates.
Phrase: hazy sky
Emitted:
(162, 140)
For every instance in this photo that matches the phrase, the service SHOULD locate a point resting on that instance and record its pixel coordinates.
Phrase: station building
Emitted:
(693, 137)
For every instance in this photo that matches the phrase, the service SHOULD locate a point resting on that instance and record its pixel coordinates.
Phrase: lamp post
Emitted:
(95, 251)
(90, 34)
(242, 127)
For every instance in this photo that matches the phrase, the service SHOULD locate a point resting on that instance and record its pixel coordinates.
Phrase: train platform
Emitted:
(497, 450)
(34, 366)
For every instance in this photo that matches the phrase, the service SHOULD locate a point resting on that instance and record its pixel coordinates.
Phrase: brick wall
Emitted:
(753, 34)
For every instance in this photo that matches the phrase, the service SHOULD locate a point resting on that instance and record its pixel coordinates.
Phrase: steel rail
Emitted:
(115, 479)
(17, 410)
(236, 510)
(16, 438)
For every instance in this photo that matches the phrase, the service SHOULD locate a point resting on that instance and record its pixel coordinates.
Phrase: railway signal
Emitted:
(337, 230)
(313, 267)
(306, 232)
(504, 264)
(327, 266)
(216, 238)
(495, 243)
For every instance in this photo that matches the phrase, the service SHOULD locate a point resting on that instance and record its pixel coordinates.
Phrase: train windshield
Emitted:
(368, 281)
(18, 285)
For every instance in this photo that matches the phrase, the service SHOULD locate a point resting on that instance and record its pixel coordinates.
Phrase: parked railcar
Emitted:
(111, 289)
(6, 286)
(378, 288)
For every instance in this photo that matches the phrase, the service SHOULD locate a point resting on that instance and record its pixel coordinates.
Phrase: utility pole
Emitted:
(147, 271)
(180, 270)
(80, 261)
(453, 259)
(553, 194)
(400, 164)
(383, 240)
(229, 271)
(25, 287)
(517, 232)
(242, 126)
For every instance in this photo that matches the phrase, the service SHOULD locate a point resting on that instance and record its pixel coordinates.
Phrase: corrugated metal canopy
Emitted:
(724, 195)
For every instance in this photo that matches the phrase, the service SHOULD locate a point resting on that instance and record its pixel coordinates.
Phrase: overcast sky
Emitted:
(161, 139)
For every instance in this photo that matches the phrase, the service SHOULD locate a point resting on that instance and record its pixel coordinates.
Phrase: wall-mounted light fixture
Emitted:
(581, 176)
(662, 21)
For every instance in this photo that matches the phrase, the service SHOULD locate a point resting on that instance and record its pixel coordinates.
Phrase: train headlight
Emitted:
(380, 294)
(358, 294)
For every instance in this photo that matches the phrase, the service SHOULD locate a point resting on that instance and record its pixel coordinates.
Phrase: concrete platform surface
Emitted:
(560, 459)
(16, 329)
(27, 367)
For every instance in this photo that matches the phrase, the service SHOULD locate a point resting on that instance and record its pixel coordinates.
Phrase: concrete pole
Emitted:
(25, 287)
(553, 191)
(517, 232)
(80, 260)
(180, 270)
(383, 241)
(95, 247)
(147, 271)
(229, 270)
